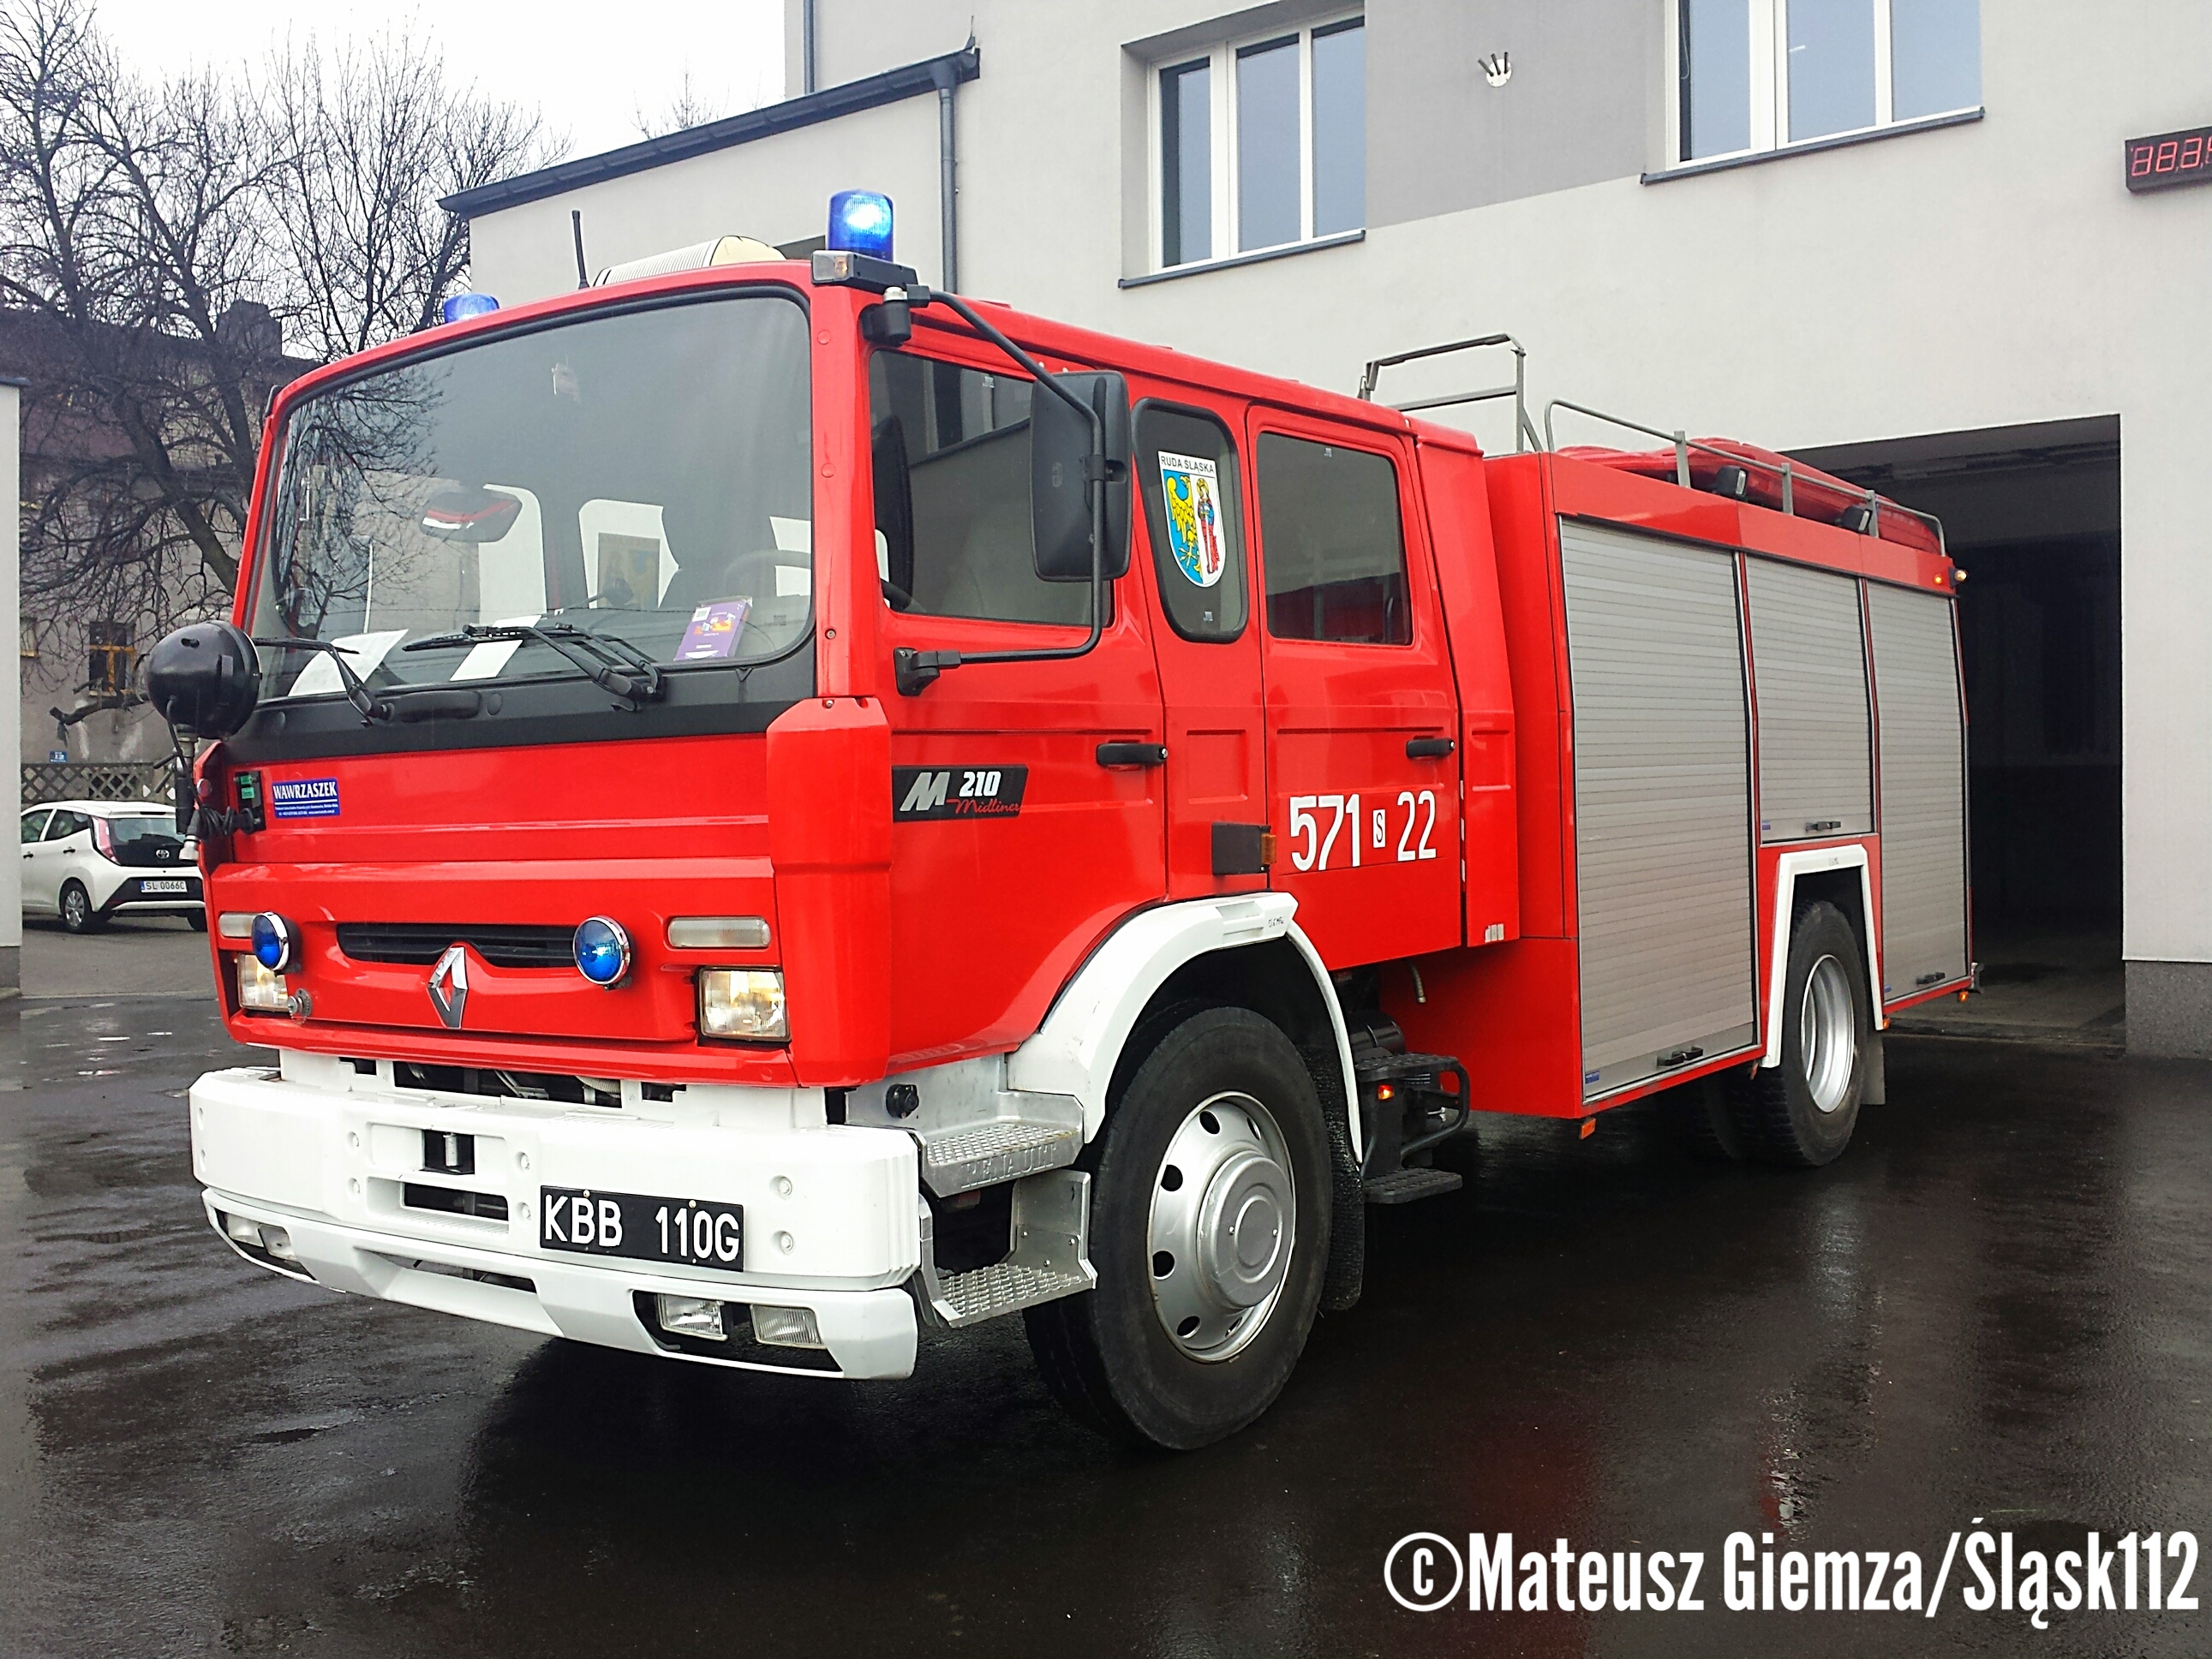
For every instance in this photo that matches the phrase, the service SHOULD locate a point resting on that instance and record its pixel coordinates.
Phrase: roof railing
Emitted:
(1872, 504)
(1524, 433)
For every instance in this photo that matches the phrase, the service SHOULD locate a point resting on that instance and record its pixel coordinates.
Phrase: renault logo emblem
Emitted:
(449, 986)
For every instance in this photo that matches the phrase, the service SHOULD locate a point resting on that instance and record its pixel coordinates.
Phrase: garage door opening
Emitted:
(2033, 515)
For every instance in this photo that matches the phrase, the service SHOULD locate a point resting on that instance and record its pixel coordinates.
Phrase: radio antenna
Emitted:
(576, 229)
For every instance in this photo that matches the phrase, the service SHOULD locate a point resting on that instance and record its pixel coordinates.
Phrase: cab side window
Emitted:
(1333, 543)
(1195, 519)
(949, 451)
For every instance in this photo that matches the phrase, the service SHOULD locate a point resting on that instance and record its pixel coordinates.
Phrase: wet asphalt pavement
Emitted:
(1998, 1304)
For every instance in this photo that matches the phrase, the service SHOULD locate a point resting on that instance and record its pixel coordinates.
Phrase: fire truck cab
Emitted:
(762, 807)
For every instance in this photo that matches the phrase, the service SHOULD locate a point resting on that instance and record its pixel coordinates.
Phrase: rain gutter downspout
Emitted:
(942, 77)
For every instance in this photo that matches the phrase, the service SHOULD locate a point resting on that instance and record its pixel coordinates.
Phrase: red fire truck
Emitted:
(762, 807)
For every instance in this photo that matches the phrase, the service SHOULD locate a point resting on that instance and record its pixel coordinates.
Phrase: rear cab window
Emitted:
(1333, 542)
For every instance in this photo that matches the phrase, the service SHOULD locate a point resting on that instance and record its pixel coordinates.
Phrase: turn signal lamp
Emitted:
(235, 924)
(717, 933)
(457, 307)
(275, 943)
(603, 952)
(860, 223)
(743, 1003)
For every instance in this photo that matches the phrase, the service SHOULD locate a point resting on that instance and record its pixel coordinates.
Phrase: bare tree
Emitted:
(688, 108)
(367, 137)
(160, 243)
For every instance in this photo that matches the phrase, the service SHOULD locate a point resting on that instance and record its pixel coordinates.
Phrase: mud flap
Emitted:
(1346, 1271)
(1874, 1087)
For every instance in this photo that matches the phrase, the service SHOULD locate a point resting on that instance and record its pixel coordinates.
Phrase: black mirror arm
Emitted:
(915, 670)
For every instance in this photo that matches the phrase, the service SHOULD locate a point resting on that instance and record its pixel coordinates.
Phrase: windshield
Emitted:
(643, 476)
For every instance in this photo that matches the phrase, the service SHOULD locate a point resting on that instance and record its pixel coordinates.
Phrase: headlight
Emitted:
(260, 989)
(745, 1003)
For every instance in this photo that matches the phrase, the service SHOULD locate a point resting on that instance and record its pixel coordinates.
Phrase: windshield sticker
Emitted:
(364, 653)
(714, 631)
(305, 798)
(488, 660)
(1192, 484)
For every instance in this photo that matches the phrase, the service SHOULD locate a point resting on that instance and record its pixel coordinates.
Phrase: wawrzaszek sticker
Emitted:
(1192, 487)
(305, 798)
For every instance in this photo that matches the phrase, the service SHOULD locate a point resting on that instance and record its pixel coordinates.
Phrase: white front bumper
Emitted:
(829, 1210)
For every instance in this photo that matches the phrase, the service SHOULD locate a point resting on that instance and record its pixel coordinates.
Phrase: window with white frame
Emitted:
(1263, 142)
(1762, 75)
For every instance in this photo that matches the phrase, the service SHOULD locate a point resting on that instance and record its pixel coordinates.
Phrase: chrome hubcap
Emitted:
(1223, 1221)
(1828, 1035)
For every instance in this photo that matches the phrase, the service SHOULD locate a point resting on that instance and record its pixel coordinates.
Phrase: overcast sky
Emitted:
(590, 67)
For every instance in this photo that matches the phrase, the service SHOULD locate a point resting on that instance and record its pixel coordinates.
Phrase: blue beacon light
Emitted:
(458, 307)
(274, 941)
(860, 223)
(603, 952)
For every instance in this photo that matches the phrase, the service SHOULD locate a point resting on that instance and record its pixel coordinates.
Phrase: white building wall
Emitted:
(1985, 275)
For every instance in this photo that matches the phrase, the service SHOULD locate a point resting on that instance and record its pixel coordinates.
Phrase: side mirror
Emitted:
(204, 679)
(1060, 504)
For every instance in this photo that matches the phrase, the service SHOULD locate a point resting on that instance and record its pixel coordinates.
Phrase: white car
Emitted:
(86, 860)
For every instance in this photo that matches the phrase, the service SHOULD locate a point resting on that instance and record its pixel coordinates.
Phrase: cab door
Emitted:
(1363, 767)
(1191, 480)
(1026, 816)
(38, 861)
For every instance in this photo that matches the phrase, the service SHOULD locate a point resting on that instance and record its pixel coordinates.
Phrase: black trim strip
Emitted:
(891, 87)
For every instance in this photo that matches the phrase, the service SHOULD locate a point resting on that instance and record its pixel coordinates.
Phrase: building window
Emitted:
(109, 670)
(1263, 142)
(1762, 75)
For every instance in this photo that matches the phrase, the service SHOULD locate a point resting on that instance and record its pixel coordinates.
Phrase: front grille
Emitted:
(421, 942)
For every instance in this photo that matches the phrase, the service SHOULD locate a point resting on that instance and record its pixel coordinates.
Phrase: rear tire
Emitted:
(1210, 1211)
(198, 920)
(1703, 1120)
(77, 914)
(1801, 1112)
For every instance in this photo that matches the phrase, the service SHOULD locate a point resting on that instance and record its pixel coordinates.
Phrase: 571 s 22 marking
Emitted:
(1311, 849)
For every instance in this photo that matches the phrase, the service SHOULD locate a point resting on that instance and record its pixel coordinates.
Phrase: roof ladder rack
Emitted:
(1872, 504)
(1524, 432)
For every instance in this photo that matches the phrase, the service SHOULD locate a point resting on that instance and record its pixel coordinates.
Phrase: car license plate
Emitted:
(587, 1222)
(178, 886)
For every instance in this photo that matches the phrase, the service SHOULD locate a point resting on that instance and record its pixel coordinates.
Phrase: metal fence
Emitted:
(46, 781)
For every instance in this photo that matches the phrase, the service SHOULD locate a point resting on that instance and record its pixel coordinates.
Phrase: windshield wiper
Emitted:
(608, 661)
(372, 707)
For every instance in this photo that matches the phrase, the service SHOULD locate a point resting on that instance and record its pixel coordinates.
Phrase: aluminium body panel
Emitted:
(1663, 861)
(1921, 735)
(1814, 733)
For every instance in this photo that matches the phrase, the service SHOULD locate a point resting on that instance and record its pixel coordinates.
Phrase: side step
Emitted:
(1050, 1257)
(1404, 1186)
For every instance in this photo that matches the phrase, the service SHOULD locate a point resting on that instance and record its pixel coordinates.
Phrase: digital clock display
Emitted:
(2170, 159)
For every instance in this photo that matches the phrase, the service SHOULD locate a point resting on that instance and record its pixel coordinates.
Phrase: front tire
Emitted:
(1802, 1112)
(77, 914)
(1210, 1221)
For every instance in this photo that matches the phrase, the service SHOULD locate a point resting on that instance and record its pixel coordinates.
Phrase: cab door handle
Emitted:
(1429, 748)
(1132, 754)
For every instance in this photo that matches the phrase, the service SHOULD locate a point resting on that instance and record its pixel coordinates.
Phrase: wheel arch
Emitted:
(1839, 875)
(1245, 950)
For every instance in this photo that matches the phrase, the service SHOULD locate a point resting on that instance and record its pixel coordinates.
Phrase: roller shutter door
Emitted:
(1808, 659)
(1921, 776)
(1663, 802)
